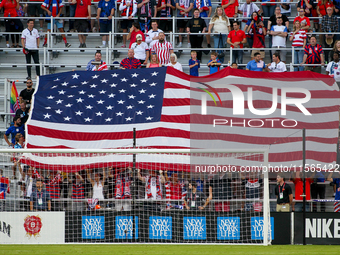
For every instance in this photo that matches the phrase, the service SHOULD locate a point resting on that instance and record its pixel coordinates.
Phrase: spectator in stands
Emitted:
(54, 8)
(277, 66)
(194, 64)
(253, 184)
(304, 21)
(34, 10)
(174, 190)
(333, 66)
(40, 199)
(96, 64)
(337, 14)
(26, 94)
(141, 50)
(30, 40)
(279, 33)
(258, 31)
(72, 13)
(94, 10)
(336, 48)
(154, 62)
(97, 184)
(53, 182)
(309, 7)
(283, 194)
(298, 182)
(146, 10)
(128, 9)
(214, 63)
(164, 9)
(163, 49)
(220, 189)
(268, 8)
(247, 10)
(134, 31)
(152, 35)
(123, 190)
(248, 29)
(329, 24)
(221, 27)
(313, 54)
(173, 62)
(256, 64)
(29, 176)
(298, 38)
(196, 25)
(13, 130)
(4, 188)
(234, 65)
(184, 8)
(10, 10)
(230, 8)
(78, 192)
(236, 39)
(19, 141)
(204, 7)
(321, 10)
(106, 8)
(130, 62)
(195, 200)
(318, 188)
(22, 113)
(83, 10)
(285, 7)
(336, 182)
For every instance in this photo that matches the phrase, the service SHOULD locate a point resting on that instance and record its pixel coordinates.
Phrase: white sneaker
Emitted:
(179, 45)
(189, 45)
(101, 46)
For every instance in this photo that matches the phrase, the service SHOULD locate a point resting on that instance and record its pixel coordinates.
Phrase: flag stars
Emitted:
(93, 86)
(128, 119)
(82, 92)
(114, 75)
(61, 92)
(102, 92)
(150, 106)
(113, 85)
(123, 80)
(153, 84)
(91, 96)
(108, 119)
(134, 75)
(122, 91)
(47, 116)
(68, 105)
(154, 73)
(120, 102)
(80, 100)
(139, 113)
(129, 107)
(141, 102)
(58, 111)
(111, 95)
(56, 79)
(89, 107)
(133, 85)
(104, 81)
(64, 84)
(142, 91)
(75, 76)
(131, 97)
(79, 113)
(55, 86)
(48, 108)
(84, 82)
(87, 119)
(100, 102)
(149, 118)
(110, 107)
(69, 96)
(67, 118)
(50, 97)
(59, 101)
(74, 86)
(152, 96)
(95, 76)
(144, 80)
(99, 113)
(119, 113)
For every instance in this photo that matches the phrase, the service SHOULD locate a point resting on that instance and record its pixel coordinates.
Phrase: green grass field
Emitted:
(167, 249)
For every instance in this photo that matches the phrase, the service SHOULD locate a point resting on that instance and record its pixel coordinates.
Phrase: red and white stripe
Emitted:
(298, 38)
(163, 51)
(182, 125)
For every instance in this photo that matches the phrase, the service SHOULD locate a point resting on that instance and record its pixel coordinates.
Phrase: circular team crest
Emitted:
(32, 226)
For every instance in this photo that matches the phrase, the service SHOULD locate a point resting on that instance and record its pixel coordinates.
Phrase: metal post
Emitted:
(304, 183)
(133, 188)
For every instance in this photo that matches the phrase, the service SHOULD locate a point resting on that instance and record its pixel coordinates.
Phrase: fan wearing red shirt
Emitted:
(236, 39)
(83, 10)
(230, 8)
(298, 182)
(134, 31)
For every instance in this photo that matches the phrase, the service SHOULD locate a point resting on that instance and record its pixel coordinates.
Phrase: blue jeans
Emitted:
(220, 44)
(298, 58)
(268, 10)
(239, 55)
(72, 13)
(299, 206)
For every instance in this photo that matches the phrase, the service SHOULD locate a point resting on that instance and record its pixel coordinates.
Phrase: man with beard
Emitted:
(163, 49)
(26, 94)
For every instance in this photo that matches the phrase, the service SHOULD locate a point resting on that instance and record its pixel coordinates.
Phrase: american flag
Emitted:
(98, 110)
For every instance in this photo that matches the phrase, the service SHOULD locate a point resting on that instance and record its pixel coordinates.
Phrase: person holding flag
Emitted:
(4, 188)
(14, 99)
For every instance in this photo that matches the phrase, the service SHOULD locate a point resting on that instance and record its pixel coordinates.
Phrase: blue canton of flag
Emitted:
(95, 98)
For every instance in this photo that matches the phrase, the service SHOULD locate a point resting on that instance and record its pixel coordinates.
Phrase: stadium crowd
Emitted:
(240, 26)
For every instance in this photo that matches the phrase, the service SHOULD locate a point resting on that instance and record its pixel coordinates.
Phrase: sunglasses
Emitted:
(29, 82)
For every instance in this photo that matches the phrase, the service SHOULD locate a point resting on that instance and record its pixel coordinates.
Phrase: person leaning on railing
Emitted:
(313, 54)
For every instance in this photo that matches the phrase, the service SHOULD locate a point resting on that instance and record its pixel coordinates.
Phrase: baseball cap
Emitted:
(139, 37)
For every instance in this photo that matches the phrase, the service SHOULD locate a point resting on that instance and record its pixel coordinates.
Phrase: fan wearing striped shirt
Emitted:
(78, 192)
(174, 190)
(53, 182)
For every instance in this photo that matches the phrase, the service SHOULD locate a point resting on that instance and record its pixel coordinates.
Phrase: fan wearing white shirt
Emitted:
(279, 33)
(141, 50)
(152, 34)
(277, 66)
(173, 62)
(333, 67)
